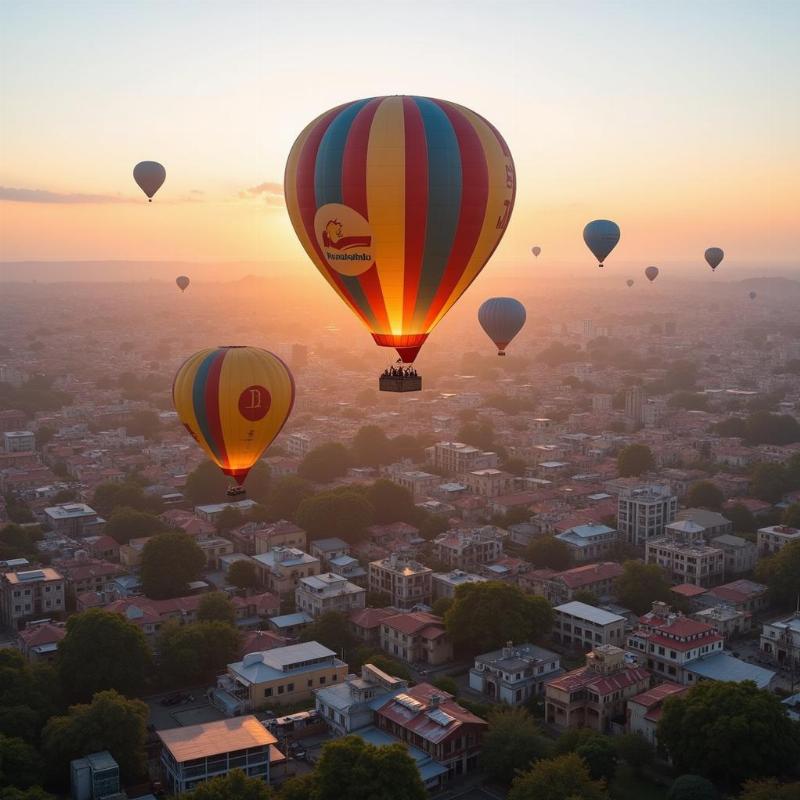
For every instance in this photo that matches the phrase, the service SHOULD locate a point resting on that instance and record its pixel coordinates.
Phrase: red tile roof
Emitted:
(589, 573)
(688, 590)
(414, 622)
(45, 633)
(370, 617)
(588, 678)
(658, 694)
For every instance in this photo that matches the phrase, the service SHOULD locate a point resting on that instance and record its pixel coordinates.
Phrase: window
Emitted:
(309, 682)
(268, 692)
(281, 689)
(322, 680)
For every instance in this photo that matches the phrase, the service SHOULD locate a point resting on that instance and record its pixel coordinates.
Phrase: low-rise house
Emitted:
(589, 542)
(39, 641)
(318, 594)
(711, 522)
(365, 623)
(102, 547)
(775, 537)
(405, 580)
(598, 579)
(214, 548)
(327, 549)
(722, 666)
(725, 619)
(467, 549)
(254, 538)
(740, 555)
(417, 637)
(684, 555)
(514, 674)
(290, 626)
(88, 574)
(130, 554)
(780, 640)
(258, 641)
(74, 520)
(595, 695)
(743, 594)
(446, 583)
(211, 513)
(350, 568)
(645, 709)
(282, 568)
(577, 624)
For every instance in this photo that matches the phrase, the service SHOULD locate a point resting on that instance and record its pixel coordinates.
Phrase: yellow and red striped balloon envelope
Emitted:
(400, 201)
(234, 402)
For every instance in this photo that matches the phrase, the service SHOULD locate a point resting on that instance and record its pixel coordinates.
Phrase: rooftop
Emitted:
(33, 575)
(585, 611)
(213, 738)
(69, 511)
(724, 667)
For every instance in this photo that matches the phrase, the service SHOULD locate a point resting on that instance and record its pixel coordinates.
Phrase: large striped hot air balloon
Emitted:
(234, 402)
(399, 202)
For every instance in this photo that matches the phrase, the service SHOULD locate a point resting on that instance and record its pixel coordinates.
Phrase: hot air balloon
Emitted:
(182, 282)
(399, 202)
(753, 295)
(714, 256)
(149, 175)
(651, 273)
(234, 402)
(536, 250)
(601, 237)
(629, 282)
(502, 318)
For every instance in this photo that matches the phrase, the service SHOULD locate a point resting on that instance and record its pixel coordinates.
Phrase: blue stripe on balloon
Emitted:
(444, 200)
(198, 400)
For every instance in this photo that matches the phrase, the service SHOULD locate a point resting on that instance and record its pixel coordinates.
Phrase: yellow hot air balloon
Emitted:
(400, 202)
(234, 402)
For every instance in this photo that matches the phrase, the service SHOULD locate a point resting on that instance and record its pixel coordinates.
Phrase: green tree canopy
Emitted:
(20, 763)
(791, 516)
(286, 495)
(634, 460)
(692, 787)
(216, 607)
(640, 584)
(17, 541)
(325, 463)
(109, 496)
(170, 562)
(478, 434)
(512, 743)
(600, 756)
(635, 751)
(128, 523)
(29, 694)
(768, 482)
(206, 484)
(192, 653)
(765, 428)
(121, 663)
(344, 514)
(331, 629)
(143, 423)
(243, 574)
(391, 503)
(484, 616)
(258, 482)
(34, 793)
(228, 519)
(701, 728)
(705, 494)
(770, 789)
(563, 778)
(781, 573)
(548, 551)
(742, 518)
(233, 786)
(371, 447)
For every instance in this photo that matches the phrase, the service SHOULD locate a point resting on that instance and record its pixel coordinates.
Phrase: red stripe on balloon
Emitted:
(474, 196)
(211, 398)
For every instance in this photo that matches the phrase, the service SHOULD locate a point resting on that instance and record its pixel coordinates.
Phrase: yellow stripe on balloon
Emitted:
(386, 203)
(499, 192)
(183, 397)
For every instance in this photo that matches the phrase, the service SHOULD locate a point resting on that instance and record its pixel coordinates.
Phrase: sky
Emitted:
(679, 120)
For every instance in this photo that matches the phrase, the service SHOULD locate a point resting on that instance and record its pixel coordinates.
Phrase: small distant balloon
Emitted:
(149, 175)
(629, 282)
(714, 256)
(601, 237)
(753, 295)
(651, 273)
(182, 282)
(536, 250)
(502, 318)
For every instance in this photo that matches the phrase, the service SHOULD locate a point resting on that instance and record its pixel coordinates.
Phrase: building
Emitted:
(282, 568)
(643, 511)
(577, 624)
(712, 523)
(94, 777)
(281, 676)
(19, 441)
(211, 513)
(214, 548)
(645, 709)
(417, 637)
(467, 549)
(722, 666)
(590, 542)
(743, 594)
(683, 554)
(195, 753)
(277, 534)
(725, 619)
(418, 482)
(73, 520)
(446, 583)
(740, 555)
(89, 574)
(780, 640)
(775, 537)
(406, 581)
(489, 482)
(38, 641)
(298, 445)
(514, 674)
(635, 399)
(598, 579)
(349, 706)
(31, 593)
(318, 594)
(327, 549)
(595, 695)
(455, 458)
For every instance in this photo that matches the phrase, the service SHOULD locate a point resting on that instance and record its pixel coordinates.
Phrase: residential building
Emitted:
(327, 591)
(598, 579)
(514, 674)
(712, 523)
(467, 549)
(418, 482)
(416, 637)
(350, 568)
(725, 619)
(773, 538)
(38, 641)
(211, 513)
(577, 624)
(85, 574)
(683, 554)
(446, 583)
(298, 445)
(405, 580)
(31, 593)
(73, 520)
(780, 640)
(214, 548)
(349, 706)
(723, 666)
(281, 676)
(195, 753)
(645, 709)
(489, 482)
(589, 542)
(644, 510)
(365, 624)
(19, 441)
(635, 399)
(290, 626)
(740, 555)
(456, 458)
(278, 534)
(327, 549)
(743, 594)
(94, 777)
(282, 568)
(595, 695)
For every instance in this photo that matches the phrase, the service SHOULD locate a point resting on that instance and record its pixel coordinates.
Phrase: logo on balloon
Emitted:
(254, 403)
(345, 239)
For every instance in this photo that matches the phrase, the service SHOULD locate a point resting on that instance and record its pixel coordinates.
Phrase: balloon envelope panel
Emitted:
(601, 237)
(714, 256)
(502, 318)
(149, 175)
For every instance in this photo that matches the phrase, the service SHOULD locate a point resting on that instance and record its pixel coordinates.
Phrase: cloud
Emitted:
(271, 191)
(43, 196)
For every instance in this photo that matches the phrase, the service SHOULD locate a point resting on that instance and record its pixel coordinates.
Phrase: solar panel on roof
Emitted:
(437, 715)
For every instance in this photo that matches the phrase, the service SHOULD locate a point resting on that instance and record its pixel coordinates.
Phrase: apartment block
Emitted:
(514, 673)
(577, 624)
(318, 594)
(456, 457)
(590, 542)
(467, 549)
(775, 537)
(282, 568)
(31, 593)
(683, 554)
(405, 580)
(643, 512)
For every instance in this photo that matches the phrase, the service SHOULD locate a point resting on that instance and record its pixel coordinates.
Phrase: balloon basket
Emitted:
(235, 491)
(400, 383)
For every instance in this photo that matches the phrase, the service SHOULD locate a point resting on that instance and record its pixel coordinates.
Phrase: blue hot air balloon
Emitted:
(502, 318)
(601, 237)
(714, 256)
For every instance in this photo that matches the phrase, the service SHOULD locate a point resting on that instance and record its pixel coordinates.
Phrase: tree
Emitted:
(635, 751)
(768, 482)
(742, 518)
(29, 694)
(324, 463)
(640, 584)
(681, 375)
(243, 574)
(258, 482)
(331, 629)
(109, 496)
(233, 786)
(228, 519)
(600, 756)
(765, 428)
(441, 605)
(371, 447)
(286, 495)
(128, 523)
(170, 562)
(198, 651)
(351, 768)
(110, 722)
(478, 434)
(20, 764)
(690, 401)
(392, 503)
(634, 460)
(562, 778)
(791, 516)
(548, 551)
(389, 666)
(692, 787)
(34, 793)
(301, 787)
(781, 573)
(512, 743)
(216, 607)
(143, 423)
(484, 616)
(205, 484)
(17, 542)
(446, 684)
(344, 514)
(769, 789)
(705, 494)
(120, 658)
(701, 728)
(585, 596)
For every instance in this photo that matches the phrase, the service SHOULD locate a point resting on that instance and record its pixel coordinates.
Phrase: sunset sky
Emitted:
(679, 120)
